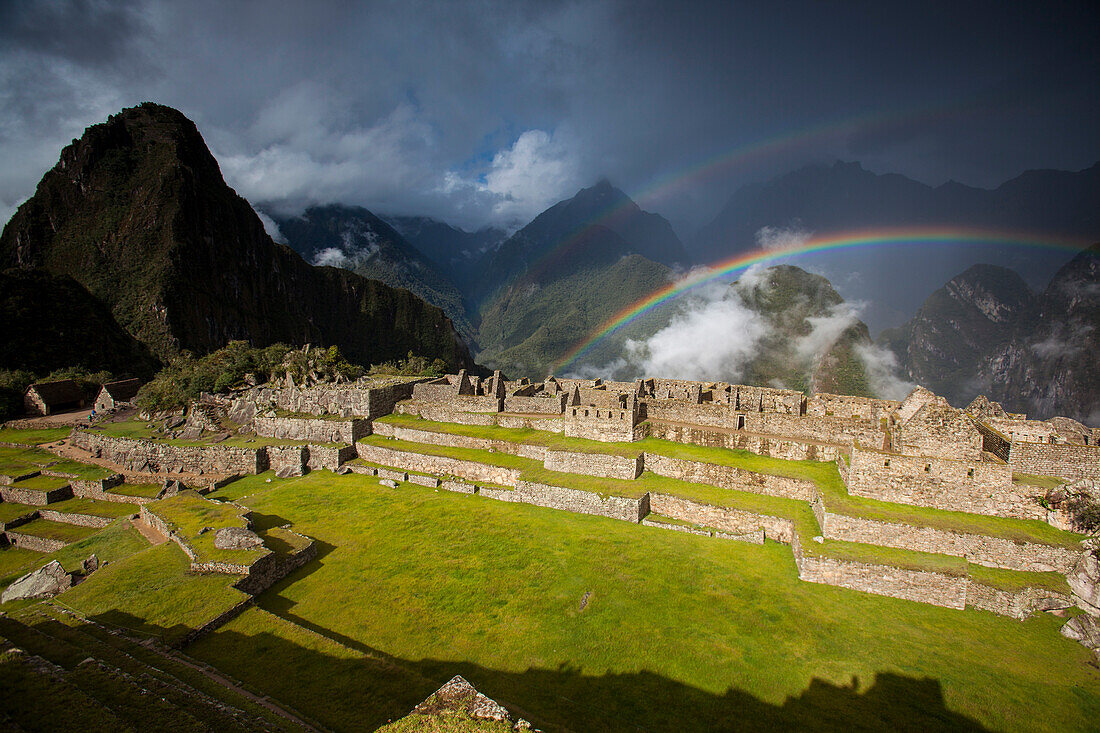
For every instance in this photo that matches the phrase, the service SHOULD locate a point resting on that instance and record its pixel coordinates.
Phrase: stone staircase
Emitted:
(81, 676)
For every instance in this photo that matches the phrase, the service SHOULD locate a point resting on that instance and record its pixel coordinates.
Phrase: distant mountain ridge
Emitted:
(456, 251)
(138, 213)
(844, 197)
(986, 332)
(354, 238)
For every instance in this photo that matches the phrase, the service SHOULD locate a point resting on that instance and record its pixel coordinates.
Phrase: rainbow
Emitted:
(828, 243)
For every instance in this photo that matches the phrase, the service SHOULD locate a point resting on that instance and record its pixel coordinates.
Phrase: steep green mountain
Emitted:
(51, 322)
(355, 239)
(573, 267)
(137, 212)
(596, 227)
(810, 336)
(535, 322)
(456, 251)
(985, 332)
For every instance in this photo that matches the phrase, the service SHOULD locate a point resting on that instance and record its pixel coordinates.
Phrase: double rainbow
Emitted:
(833, 242)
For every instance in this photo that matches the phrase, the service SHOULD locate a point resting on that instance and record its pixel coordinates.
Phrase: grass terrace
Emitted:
(41, 483)
(10, 511)
(492, 590)
(527, 436)
(14, 460)
(146, 491)
(110, 544)
(824, 475)
(67, 533)
(33, 436)
(188, 513)
(80, 505)
(152, 592)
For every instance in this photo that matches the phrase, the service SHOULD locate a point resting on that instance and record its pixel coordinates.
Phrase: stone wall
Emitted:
(438, 465)
(584, 502)
(34, 497)
(937, 429)
(154, 457)
(272, 568)
(1070, 462)
(429, 437)
(994, 442)
(292, 458)
(83, 520)
(594, 464)
(334, 399)
(317, 430)
(763, 445)
(734, 521)
(922, 586)
(864, 408)
(606, 426)
(980, 487)
(34, 542)
(992, 552)
(554, 405)
(329, 457)
(1016, 604)
(729, 477)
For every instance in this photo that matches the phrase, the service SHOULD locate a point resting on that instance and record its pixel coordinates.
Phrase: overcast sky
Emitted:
(487, 112)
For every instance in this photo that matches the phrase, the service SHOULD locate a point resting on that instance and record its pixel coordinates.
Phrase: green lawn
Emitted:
(190, 513)
(41, 483)
(10, 511)
(17, 460)
(110, 544)
(35, 436)
(555, 441)
(79, 505)
(55, 530)
(676, 627)
(152, 592)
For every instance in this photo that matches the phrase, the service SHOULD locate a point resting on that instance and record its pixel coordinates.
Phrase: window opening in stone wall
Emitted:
(886, 463)
(740, 422)
(928, 468)
(970, 473)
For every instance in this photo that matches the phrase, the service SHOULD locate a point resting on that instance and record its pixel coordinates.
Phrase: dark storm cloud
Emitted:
(489, 111)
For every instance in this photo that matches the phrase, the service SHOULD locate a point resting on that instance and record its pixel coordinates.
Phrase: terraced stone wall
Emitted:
(294, 458)
(979, 487)
(922, 586)
(992, 552)
(993, 441)
(33, 542)
(584, 502)
(313, 431)
(734, 521)
(438, 465)
(729, 477)
(330, 458)
(1015, 604)
(594, 464)
(34, 497)
(428, 437)
(83, 520)
(1063, 460)
(154, 457)
(763, 445)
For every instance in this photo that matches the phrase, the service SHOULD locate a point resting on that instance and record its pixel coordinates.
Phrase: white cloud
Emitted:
(538, 170)
(271, 228)
(881, 366)
(825, 330)
(331, 257)
(782, 238)
(714, 338)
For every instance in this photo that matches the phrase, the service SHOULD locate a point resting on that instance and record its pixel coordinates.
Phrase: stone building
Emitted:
(116, 394)
(47, 398)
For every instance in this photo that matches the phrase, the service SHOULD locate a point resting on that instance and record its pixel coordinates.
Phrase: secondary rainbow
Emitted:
(831, 242)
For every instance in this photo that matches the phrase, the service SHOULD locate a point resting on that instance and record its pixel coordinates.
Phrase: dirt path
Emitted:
(148, 532)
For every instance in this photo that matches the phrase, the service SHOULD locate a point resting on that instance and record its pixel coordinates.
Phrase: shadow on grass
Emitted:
(363, 691)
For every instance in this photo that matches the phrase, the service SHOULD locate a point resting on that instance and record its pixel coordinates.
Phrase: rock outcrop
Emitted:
(236, 538)
(45, 582)
(1084, 581)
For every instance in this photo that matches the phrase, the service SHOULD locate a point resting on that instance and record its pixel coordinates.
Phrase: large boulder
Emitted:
(48, 580)
(236, 538)
(1083, 628)
(1084, 581)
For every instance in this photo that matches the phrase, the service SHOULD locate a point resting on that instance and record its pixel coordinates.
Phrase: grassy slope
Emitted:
(676, 627)
(33, 436)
